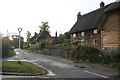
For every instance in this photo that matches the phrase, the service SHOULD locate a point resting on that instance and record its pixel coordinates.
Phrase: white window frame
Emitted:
(95, 42)
(74, 35)
(82, 33)
(95, 31)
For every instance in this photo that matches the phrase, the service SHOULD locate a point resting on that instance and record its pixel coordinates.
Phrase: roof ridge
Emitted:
(96, 10)
(89, 20)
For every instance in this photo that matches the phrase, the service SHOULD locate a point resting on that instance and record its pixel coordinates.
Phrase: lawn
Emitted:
(22, 67)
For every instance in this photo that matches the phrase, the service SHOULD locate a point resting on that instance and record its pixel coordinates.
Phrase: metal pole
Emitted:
(19, 39)
(19, 29)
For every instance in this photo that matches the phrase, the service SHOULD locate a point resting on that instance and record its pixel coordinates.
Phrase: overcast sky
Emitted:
(28, 14)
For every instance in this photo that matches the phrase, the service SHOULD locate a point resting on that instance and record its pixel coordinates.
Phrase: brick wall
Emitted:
(110, 31)
(88, 38)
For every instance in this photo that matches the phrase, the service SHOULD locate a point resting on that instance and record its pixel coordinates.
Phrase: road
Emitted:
(59, 68)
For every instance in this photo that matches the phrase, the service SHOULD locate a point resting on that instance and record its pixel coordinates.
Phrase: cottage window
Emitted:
(74, 35)
(95, 41)
(82, 33)
(95, 31)
(82, 42)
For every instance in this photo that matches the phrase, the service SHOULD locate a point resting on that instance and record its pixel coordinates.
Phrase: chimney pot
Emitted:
(102, 4)
(40, 31)
(56, 34)
(35, 34)
(79, 14)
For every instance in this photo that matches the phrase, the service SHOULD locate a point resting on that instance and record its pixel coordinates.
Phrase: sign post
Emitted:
(19, 29)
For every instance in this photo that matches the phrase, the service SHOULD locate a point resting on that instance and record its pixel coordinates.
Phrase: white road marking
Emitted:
(50, 73)
(17, 60)
(17, 53)
(95, 74)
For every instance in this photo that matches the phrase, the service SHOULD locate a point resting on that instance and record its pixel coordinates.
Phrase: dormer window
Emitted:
(95, 31)
(82, 33)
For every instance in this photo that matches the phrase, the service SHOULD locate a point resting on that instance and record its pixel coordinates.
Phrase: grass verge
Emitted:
(22, 67)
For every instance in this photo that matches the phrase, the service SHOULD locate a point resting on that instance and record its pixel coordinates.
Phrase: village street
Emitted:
(59, 67)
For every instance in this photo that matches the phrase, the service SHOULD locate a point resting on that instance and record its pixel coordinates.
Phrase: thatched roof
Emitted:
(113, 6)
(93, 19)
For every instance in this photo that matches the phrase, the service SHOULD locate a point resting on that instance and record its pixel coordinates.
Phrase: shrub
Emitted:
(34, 46)
(42, 46)
(6, 47)
(86, 53)
(50, 47)
(37, 46)
(110, 55)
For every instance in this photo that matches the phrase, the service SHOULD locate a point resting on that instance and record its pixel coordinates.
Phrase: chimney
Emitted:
(78, 16)
(102, 4)
(40, 31)
(35, 34)
(56, 34)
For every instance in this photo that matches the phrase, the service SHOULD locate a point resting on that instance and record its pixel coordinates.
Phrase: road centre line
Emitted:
(95, 74)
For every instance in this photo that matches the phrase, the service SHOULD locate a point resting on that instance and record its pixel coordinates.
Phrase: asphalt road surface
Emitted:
(60, 69)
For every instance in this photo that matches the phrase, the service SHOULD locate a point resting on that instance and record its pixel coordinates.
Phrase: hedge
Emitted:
(86, 53)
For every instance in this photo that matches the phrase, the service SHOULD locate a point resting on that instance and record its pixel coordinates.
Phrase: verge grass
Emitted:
(22, 67)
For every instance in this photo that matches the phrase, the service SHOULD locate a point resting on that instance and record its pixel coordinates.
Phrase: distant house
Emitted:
(33, 39)
(56, 39)
(44, 37)
(98, 28)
